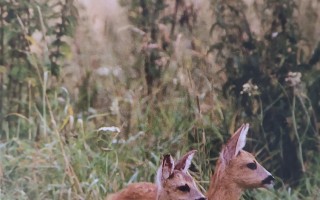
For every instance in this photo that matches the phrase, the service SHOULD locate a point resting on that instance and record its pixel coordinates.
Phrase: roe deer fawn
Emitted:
(173, 182)
(237, 170)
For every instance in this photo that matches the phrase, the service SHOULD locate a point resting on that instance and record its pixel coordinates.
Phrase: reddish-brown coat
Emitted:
(232, 173)
(141, 190)
(173, 182)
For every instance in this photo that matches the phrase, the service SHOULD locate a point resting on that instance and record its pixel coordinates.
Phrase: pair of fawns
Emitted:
(236, 170)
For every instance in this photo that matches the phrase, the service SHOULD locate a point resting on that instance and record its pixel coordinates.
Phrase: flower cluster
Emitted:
(293, 79)
(250, 89)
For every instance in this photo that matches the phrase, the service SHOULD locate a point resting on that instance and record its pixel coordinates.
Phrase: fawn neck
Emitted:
(226, 192)
(222, 186)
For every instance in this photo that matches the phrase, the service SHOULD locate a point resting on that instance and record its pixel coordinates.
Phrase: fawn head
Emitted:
(240, 166)
(174, 182)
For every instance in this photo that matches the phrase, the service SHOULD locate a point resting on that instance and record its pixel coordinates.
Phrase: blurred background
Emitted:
(94, 92)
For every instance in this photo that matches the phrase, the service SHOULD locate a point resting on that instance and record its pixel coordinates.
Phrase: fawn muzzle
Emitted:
(202, 198)
(268, 181)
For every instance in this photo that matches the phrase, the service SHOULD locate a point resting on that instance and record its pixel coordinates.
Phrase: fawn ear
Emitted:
(184, 163)
(235, 143)
(242, 138)
(165, 170)
(167, 166)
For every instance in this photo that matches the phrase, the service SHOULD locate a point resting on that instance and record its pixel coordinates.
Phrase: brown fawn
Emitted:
(237, 170)
(173, 182)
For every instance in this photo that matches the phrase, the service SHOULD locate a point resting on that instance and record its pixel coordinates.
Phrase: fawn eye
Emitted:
(184, 188)
(252, 165)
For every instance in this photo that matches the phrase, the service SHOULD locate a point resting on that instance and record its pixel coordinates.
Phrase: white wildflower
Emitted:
(274, 34)
(109, 128)
(293, 78)
(250, 89)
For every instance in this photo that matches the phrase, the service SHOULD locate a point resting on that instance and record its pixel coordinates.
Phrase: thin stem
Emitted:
(300, 156)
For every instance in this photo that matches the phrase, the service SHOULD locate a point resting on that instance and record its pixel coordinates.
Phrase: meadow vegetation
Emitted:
(93, 94)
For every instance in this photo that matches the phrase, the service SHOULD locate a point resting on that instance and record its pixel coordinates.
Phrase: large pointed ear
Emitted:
(165, 170)
(235, 143)
(167, 166)
(184, 163)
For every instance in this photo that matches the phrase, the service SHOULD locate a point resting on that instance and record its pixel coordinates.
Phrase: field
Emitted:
(94, 94)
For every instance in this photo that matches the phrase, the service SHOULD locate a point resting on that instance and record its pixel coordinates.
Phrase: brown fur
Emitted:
(170, 177)
(169, 190)
(135, 191)
(232, 175)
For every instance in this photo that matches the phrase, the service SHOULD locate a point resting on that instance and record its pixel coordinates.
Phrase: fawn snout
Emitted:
(202, 198)
(268, 181)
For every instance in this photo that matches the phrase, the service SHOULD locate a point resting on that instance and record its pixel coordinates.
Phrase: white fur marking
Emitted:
(188, 163)
(159, 177)
(242, 139)
(268, 186)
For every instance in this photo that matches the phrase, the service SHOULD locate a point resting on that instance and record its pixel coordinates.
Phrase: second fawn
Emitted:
(173, 182)
(237, 170)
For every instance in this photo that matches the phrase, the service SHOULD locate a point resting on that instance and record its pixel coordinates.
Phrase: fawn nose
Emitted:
(268, 180)
(202, 198)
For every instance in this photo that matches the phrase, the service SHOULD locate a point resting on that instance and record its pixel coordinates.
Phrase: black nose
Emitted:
(268, 180)
(202, 198)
